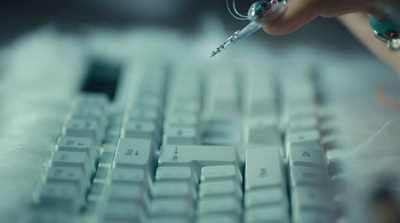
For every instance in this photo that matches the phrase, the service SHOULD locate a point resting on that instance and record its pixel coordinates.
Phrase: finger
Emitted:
(297, 14)
(358, 24)
(301, 12)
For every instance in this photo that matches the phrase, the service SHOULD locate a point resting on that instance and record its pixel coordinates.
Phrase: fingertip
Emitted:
(296, 14)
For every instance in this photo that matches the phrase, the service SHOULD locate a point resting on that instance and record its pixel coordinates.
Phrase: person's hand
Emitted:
(353, 14)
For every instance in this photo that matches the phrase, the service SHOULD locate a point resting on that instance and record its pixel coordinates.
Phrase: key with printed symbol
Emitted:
(78, 144)
(73, 159)
(197, 156)
(263, 168)
(300, 156)
(134, 153)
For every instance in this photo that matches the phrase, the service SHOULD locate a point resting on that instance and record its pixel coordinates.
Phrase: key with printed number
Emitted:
(73, 159)
(134, 153)
(263, 168)
(78, 144)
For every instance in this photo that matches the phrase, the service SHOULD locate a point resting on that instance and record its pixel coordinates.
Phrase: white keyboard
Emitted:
(188, 144)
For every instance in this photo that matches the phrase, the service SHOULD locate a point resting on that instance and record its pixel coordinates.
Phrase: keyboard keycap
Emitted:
(267, 214)
(216, 173)
(172, 207)
(123, 212)
(300, 156)
(268, 196)
(174, 190)
(304, 175)
(68, 176)
(78, 144)
(263, 168)
(73, 159)
(134, 153)
(223, 187)
(61, 197)
(220, 205)
(311, 198)
(197, 156)
(83, 128)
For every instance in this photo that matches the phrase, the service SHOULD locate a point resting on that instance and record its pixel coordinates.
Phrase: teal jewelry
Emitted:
(388, 30)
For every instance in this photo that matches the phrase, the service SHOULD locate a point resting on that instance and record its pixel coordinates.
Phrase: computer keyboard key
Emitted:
(263, 168)
(129, 176)
(73, 159)
(216, 173)
(181, 136)
(170, 219)
(140, 130)
(89, 113)
(181, 120)
(314, 217)
(302, 124)
(218, 218)
(45, 216)
(128, 193)
(302, 156)
(62, 197)
(263, 197)
(307, 138)
(304, 175)
(92, 100)
(134, 153)
(172, 173)
(83, 128)
(68, 176)
(144, 114)
(313, 199)
(197, 156)
(172, 207)
(219, 205)
(183, 190)
(267, 214)
(121, 211)
(223, 187)
(78, 144)
(263, 131)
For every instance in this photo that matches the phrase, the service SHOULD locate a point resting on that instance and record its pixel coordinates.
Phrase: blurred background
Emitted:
(21, 16)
